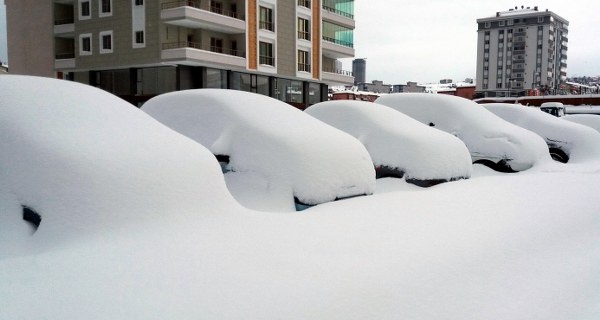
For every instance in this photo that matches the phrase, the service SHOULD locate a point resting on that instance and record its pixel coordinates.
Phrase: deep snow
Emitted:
(160, 237)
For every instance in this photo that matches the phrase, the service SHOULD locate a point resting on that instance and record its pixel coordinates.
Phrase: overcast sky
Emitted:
(428, 40)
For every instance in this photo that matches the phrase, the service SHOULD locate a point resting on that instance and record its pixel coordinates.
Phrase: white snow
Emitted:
(398, 141)
(579, 142)
(87, 161)
(486, 136)
(590, 120)
(297, 155)
(159, 237)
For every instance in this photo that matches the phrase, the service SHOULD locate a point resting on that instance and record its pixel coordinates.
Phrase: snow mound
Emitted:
(397, 141)
(590, 120)
(578, 142)
(263, 135)
(84, 160)
(488, 138)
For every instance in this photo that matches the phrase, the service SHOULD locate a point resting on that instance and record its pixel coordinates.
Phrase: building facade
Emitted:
(519, 51)
(137, 49)
(359, 70)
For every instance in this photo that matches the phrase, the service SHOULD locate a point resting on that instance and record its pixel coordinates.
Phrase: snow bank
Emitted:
(397, 141)
(590, 120)
(487, 137)
(317, 162)
(516, 247)
(87, 161)
(578, 142)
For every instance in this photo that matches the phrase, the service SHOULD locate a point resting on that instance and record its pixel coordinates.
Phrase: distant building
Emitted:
(408, 87)
(520, 50)
(376, 86)
(359, 70)
(136, 49)
(464, 89)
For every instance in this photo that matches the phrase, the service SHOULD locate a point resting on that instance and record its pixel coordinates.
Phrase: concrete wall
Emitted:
(30, 37)
(286, 38)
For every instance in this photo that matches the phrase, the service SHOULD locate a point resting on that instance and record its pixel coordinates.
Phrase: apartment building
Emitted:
(136, 49)
(520, 51)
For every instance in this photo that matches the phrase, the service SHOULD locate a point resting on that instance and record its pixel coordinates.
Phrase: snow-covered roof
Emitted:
(397, 141)
(263, 135)
(486, 136)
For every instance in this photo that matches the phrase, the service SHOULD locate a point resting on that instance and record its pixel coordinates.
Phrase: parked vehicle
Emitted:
(566, 140)
(296, 157)
(400, 146)
(490, 140)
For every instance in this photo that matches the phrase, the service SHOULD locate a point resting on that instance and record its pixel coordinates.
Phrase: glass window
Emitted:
(341, 7)
(139, 2)
(266, 53)
(216, 78)
(314, 93)
(85, 9)
(303, 61)
(303, 29)
(338, 34)
(105, 8)
(85, 44)
(139, 37)
(266, 19)
(106, 42)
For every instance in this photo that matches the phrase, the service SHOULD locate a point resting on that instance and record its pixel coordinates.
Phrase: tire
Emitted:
(558, 155)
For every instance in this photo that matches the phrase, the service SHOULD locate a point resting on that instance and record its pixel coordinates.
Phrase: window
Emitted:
(85, 44)
(304, 3)
(540, 19)
(216, 45)
(266, 19)
(84, 10)
(501, 23)
(486, 25)
(139, 38)
(105, 8)
(266, 53)
(303, 61)
(510, 22)
(139, 2)
(303, 29)
(106, 42)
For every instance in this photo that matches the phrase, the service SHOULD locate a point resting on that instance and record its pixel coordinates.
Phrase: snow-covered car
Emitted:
(275, 157)
(77, 160)
(566, 141)
(490, 140)
(590, 120)
(399, 145)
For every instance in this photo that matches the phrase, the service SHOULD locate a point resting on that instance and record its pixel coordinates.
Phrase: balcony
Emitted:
(337, 77)
(195, 54)
(338, 17)
(64, 27)
(64, 61)
(337, 49)
(202, 15)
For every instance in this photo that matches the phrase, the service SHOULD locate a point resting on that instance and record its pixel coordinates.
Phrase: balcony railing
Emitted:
(202, 5)
(266, 60)
(304, 67)
(195, 45)
(61, 56)
(340, 42)
(61, 21)
(338, 12)
(266, 25)
(303, 35)
(338, 71)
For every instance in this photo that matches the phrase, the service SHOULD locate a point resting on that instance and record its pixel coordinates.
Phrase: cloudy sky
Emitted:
(428, 40)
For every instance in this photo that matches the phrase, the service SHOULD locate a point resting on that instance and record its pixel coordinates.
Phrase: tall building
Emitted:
(138, 49)
(359, 70)
(519, 50)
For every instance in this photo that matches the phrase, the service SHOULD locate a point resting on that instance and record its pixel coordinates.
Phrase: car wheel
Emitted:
(558, 155)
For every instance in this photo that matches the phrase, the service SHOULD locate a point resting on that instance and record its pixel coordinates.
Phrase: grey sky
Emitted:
(428, 40)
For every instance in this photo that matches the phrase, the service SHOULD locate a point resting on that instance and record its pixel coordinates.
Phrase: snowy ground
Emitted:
(496, 246)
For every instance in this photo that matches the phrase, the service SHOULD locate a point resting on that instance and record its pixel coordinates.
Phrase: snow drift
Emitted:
(489, 139)
(397, 142)
(575, 141)
(590, 120)
(272, 139)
